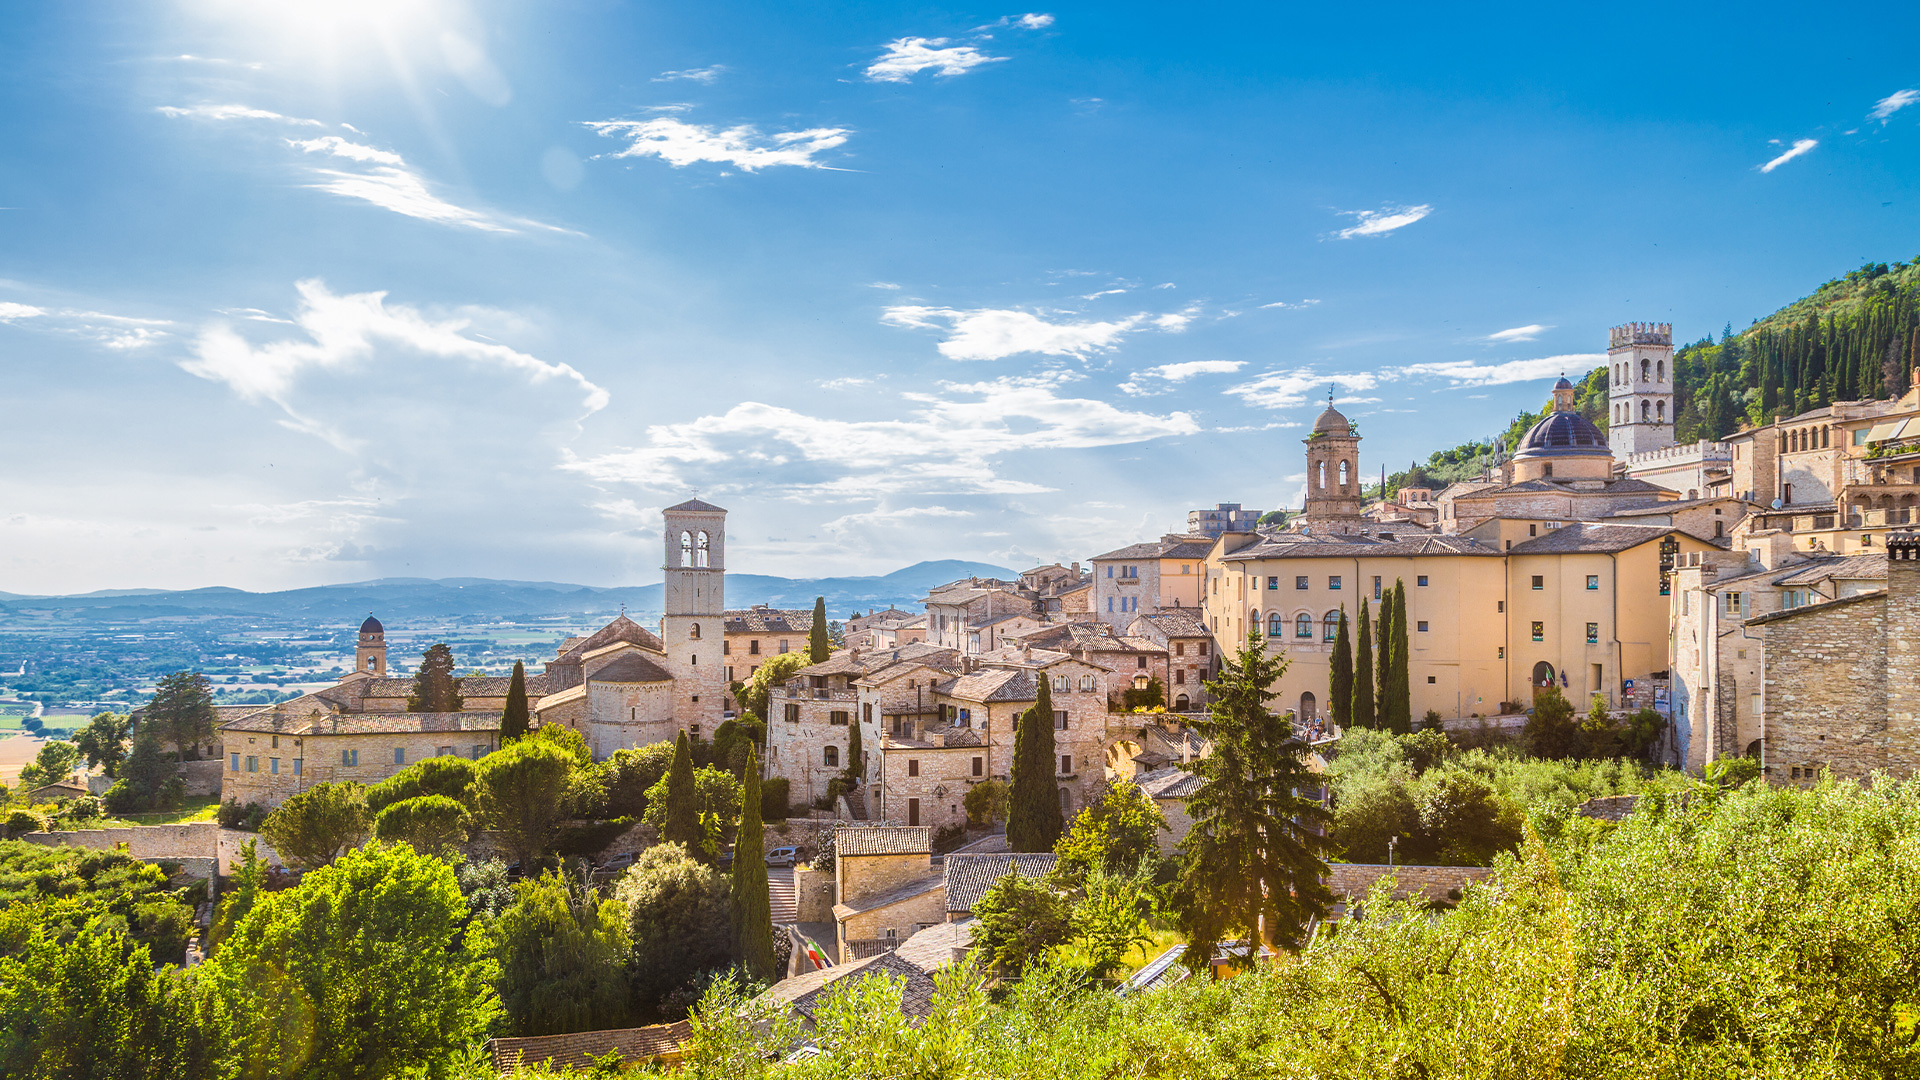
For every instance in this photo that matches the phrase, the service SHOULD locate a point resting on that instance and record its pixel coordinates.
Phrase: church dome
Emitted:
(1563, 434)
(1331, 421)
(1563, 384)
(372, 626)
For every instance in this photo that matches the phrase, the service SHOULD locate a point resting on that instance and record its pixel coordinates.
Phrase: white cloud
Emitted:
(1188, 369)
(1884, 109)
(341, 148)
(233, 112)
(882, 285)
(908, 56)
(704, 75)
(1165, 285)
(112, 331)
(877, 517)
(997, 333)
(1103, 292)
(11, 311)
(846, 383)
(680, 144)
(1800, 147)
(350, 335)
(1471, 373)
(1290, 389)
(1519, 333)
(1034, 21)
(948, 442)
(1382, 221)
(1290, 307)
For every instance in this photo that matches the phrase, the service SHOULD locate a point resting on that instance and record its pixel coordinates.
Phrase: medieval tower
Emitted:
(370, 655)
(1333, 474)
(692, 628)
(1640, 388)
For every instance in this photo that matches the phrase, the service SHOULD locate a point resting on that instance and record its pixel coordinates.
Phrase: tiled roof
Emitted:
(883, 840)
(970, 876)
(497, 685)
(1847, 567)
(1670, 507)
(1180, 623)
(620, 629)
(804, 993)
(1167, 547)
(631, 668)
(1003, 617)
(576, 1049)
(1807, 609)
(1589, 536)
(1580, 485)
(303, 717)
(1171, 782)
(953, 736)
(1400, 545)
(697, 507)
(934, 947)
(1021, 656)
(765, 620)
(993, 684)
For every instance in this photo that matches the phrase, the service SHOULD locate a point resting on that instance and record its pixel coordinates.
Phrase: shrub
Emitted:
(21, 822)
(948, 837)
(446, 775)
(431, 823)
(628, 774)
(986, 803)
(232, 815)
(1732, 772)
(774, 792)
(679, 918)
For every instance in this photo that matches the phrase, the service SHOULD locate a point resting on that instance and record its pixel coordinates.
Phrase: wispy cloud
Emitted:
(233, 112)
(112, 331)
(1160, 380)
(1291, 389)
(882, 285)
(1800, 146)
(679, 143)
(1382, 221)
(1519, 333)
(1884, 109)
(996, 333)
(908, 56)
(341, 148)
(1290, 307)
(1471, 373)
(704, 75)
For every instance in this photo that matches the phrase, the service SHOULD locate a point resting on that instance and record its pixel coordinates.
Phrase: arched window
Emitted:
(831, 755)
(694, 632)
(1661, 409)
(1276, 625)
(1323, 476)
(686, 549)
(700, 552)
(1646, 411)
(1660, 370)
(1645, 368)
(1309, 707)
(1343, 476)
(1303, 626)
(1330, 626)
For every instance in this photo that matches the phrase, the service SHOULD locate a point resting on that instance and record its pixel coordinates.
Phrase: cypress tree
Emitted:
(1340, 684)
(683, 803)
(752, 909)
(513, 722)
(1402, 680)
(1383, 665)
(856, 769)
(1033, 810)
(819, 646)
(1360, 707)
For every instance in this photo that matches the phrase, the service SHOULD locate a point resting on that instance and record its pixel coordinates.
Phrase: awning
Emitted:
(1884, 430)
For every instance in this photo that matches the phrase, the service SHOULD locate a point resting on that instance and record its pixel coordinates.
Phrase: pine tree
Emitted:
(434, 688)
(1033, 812)
(752, 909)
(513, 722)
(1361, 708)
(1340, 683)
(1402, 680)
(819, 646)
(683, 802)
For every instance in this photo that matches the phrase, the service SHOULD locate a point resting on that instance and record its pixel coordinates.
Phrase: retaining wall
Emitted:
(1353, 880)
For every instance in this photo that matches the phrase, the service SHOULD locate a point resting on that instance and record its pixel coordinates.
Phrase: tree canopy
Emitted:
(316, 826)
(522, 791)
(182, 711)
(435, 688)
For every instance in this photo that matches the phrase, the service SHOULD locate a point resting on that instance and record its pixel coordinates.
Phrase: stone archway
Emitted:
(1182, 703)
(1309, 707)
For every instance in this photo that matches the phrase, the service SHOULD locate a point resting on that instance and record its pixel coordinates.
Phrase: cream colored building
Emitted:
(1140, 579)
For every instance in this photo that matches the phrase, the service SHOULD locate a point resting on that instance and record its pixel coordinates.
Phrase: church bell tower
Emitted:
(1333, 474)
(692, 629)
(1640, 387)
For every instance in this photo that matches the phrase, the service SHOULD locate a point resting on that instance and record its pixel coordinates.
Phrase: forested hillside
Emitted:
(1853, 338)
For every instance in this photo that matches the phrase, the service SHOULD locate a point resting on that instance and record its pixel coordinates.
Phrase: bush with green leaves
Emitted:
(73, 886)
(55, 762)
(563, 953)
(431, 823)
(628, 774)
(318, 825)
(1117, 832)
(235, 815)
(986, 803)
(523, 792)
(444, 775)
(680, 917)
(716, 801)
(22, 821)
(1018, 920)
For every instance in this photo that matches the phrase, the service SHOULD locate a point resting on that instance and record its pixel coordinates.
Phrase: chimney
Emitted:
(853, 655)
(1076, 566)
(1026, 654)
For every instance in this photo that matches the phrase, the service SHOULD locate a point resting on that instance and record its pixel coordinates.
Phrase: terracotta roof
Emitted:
(620, 629)
(1391, 545)
(883, 840)
(1580, 485)
(993, 684)
(1677, 504)
(576, 1049)
(1171, 782)
(497, 685)
(631, 668)
(1003, 617)
(697, 507)
(1847, 567)
(970, 876)
(1167, 547)
(1807, 609)
(765, 620)
(804, 993)
(1590, 536)
(935, 946)
(294, 718)
(953, 736)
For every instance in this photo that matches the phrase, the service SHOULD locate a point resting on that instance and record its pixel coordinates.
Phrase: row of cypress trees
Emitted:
(1368, 691)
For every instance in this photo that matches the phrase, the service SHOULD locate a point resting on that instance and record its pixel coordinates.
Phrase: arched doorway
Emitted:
(1307, 706)
(1542, 676)
(1182, 703)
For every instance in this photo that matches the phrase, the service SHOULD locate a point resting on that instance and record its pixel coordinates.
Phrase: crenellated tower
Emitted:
(692, 629)
(1640, 387)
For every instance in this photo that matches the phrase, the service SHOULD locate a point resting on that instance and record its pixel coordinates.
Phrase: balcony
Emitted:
(1881, 518)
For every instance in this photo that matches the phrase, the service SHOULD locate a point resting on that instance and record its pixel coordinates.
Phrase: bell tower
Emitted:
(1640, 387)
(370, 654)
(1333, 474)
(692, 628)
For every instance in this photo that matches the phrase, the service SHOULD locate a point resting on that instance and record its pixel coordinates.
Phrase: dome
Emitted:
(1563, 384)
(1332, 421)
(1563, 434)
(372, 626)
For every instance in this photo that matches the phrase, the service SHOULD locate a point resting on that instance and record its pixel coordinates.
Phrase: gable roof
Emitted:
(1178, 623)
(1580, 537)
(1171, 782)
(1171, 546)
(620, 629)
(1847, 567)
(970, 876)
(305, 716)
(766, 620)
(575, 1049)
(895, 895)
(804, 993)
(1383, 543)
(883, 840)
(696, 506)
(1809, 609)
(991, 684)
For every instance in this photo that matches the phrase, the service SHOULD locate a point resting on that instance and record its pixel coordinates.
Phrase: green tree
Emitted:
(771, 672)
(431, 823)
(1383, 695)
(819, 646)
(678, 914)
(986, 803)
(1109, 920)
(249, 884)
(1117, 832)
(1461, 819)
(856, 752)
(523, 792)
(182, 710)
(1251, 864)
(1018, 920)
(563, 954)
(1033, 810)
(752, 910)
(627, 775)
(513, 722)
(146, 777)
(716, 806)
(1402, 660)
(444, 775)
(103, 742)
(1361, 704)
(360, 972)
(435, 689)
(680, 810)
(55, 762)
(1340, 681)
(318, 825)
(1551, 731)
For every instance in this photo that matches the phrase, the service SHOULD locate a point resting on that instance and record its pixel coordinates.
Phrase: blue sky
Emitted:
(320, 291)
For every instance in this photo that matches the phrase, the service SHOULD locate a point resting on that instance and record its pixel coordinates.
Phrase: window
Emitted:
(1109, 603)
(1539, 631)
(1179, 676)
(1276, 624)
(1109, 571)
(299, 766)
(253, 763)
(1533, 530)
(831, 755)
(1539, 582)
(1179, 648)
(979, 766)
(1421, 626)
(793, 713)
(1086, 681)
(479, 751)
(1593, 633)
(1499, 607)
(913, 818)
(694, 631)
(1303, 625)
(1203, 648)
(1060, 684)
(1733, 605)
(273, 766)
(1420, 582)
(1066, 763)
(1186, 568)
(1330, 626)
(1431, 680)
(349, 758)
(783, 646)
(236, 762)
(1376, 586)
(1593, 582)
(913, 766)
(276, 742)
(686, 549)
(966, 717)
(1141, 664)
(838, 717)
(399, 755)
(700, 554)
(1500, 653)
(726, 647)
(1059, 720)
(1333, 582)
(1300, 582)
(753, 647)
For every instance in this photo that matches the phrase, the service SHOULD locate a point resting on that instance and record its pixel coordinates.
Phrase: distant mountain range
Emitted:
(400, 599)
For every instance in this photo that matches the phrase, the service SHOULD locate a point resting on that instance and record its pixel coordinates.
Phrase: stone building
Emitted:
(285, 749)
(860, 630)
(1135, 660)
(885, 887)
(758, 632)
(1333, 475)
(1182, 635)
(1640, 387)
(1223, 518)
(1143, 578)
(1842, 691)
(809, 731)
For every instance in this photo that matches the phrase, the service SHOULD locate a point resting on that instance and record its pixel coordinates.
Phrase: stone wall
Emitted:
(1826, 689)
(812, 895)
(202, 777)
(1902, 644)
(1353, 880)
(1608, 807)
(197, 839)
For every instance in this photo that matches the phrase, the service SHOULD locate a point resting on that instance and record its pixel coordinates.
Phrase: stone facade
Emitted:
(693, 628)
(288, 748)
(756, 633)
(1640, 387)
(1190, 654)
(1696, 470)
(1352, 881)
(1144, 578)
(809, 731)
(884, 881)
